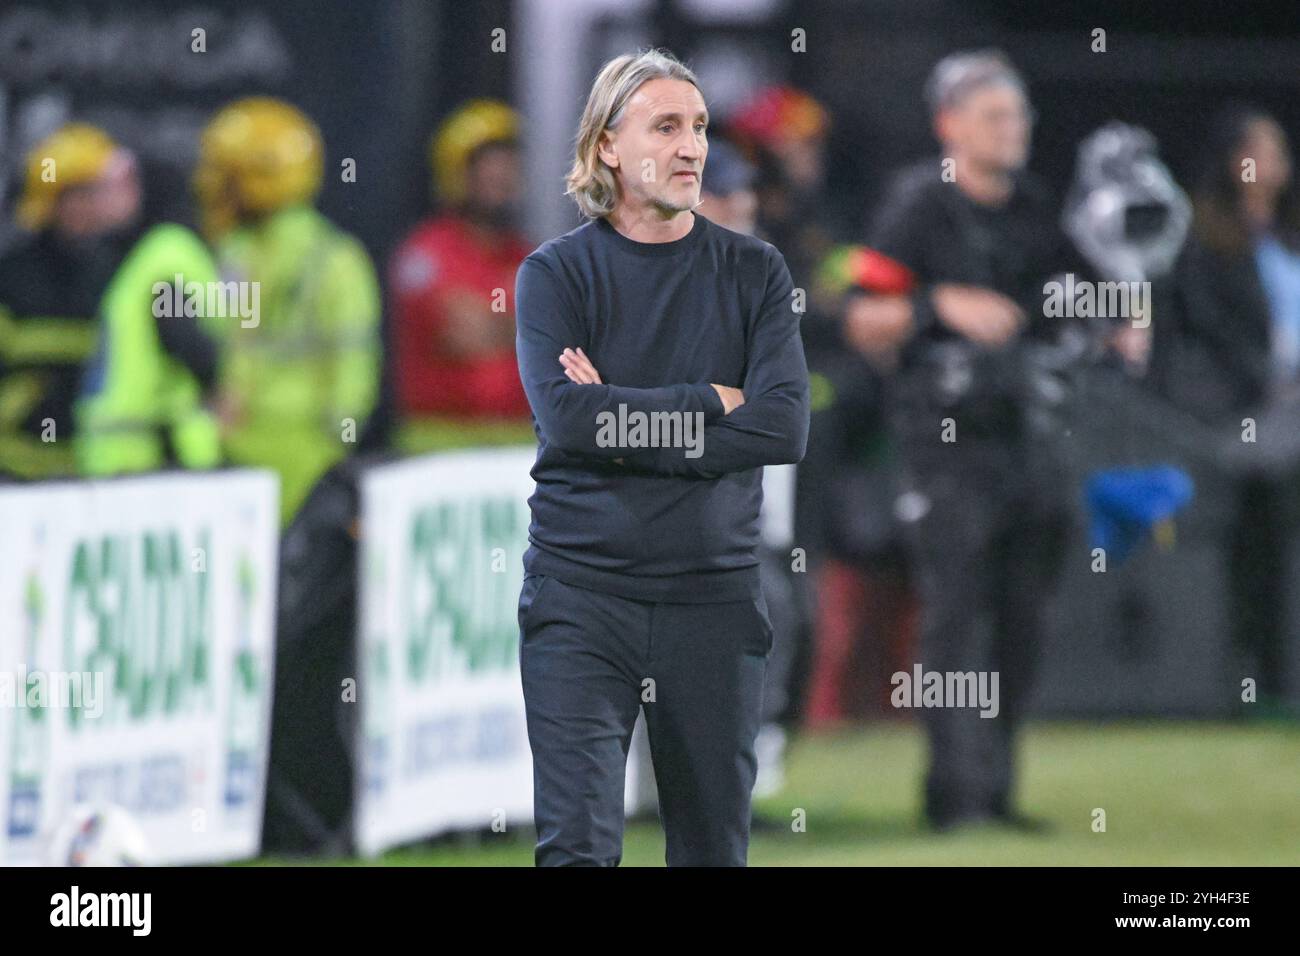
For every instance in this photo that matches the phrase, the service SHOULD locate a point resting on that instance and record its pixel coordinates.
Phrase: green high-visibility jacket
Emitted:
(303, 374)
(141, 409)
(50, 293)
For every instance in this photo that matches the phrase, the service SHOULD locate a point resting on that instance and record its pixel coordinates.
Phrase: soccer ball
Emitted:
(100, 836)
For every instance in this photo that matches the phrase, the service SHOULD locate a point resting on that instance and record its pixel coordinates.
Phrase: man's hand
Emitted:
(1133, 345)
(979, 314)
(229, 410)
(732, 398)
(876, 325)
(579, 368)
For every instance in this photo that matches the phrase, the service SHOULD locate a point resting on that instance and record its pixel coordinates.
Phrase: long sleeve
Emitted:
(566, 412)
(771, 428)
(898, 232)
(187, 339)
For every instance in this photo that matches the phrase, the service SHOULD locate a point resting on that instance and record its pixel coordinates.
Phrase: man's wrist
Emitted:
(712, 401)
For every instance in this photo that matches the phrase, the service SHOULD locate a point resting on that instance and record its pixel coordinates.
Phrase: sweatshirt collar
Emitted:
(674, 247)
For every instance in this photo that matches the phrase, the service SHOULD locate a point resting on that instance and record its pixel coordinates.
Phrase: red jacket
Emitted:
(443, 256)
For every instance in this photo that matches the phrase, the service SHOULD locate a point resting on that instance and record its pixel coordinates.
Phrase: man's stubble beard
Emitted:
(672, 207)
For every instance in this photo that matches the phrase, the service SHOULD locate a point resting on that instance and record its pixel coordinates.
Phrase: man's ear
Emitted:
(944, 125)
(607, 150)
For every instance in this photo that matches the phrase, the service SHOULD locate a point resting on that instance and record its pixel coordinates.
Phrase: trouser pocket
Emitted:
(760, 637)
(528, 596)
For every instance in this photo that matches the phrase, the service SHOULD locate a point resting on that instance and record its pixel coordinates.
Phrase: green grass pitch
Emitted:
(1175, 794)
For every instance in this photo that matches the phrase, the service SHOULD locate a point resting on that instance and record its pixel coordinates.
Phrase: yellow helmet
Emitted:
(476, 123)
(73, 155)
(256, 155)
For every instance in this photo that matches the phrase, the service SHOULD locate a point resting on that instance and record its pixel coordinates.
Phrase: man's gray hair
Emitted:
(955, 77)
(590, 182)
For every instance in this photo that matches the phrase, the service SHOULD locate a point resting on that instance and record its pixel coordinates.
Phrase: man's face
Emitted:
(108, 203)
(1266, 144)
(659, 148)
(990, 126)
(493, 183)
(802, 161)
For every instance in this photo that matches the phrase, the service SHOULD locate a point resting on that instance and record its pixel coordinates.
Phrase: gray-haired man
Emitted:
(986, 509)
(642, 585)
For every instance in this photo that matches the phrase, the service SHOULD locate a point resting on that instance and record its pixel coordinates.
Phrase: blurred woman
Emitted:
(1230, 347)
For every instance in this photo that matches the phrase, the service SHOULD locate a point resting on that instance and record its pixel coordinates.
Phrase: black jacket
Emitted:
(942, 236)
(1211, 346)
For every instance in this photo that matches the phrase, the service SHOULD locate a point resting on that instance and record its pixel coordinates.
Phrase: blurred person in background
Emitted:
(727, 195)
(867, 611)
(453, 291)
(95, 379)
(51, 284)
(1230, 347)
(985, 505)
(299, 382)
(784, 131)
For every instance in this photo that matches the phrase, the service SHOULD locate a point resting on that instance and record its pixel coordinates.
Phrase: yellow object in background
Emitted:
(1163, 532)
(258, 155)
(73, 155)
(477, 123)
(305, 378)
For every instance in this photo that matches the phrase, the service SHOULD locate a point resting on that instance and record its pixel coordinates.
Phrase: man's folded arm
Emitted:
(566, 412)
(771, 428)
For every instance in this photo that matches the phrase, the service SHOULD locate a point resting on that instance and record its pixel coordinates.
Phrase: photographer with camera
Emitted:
(976, 418)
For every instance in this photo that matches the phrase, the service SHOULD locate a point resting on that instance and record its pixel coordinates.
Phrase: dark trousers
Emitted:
(588, 662)
(787, 604)
(986, 553)
(1258, 579)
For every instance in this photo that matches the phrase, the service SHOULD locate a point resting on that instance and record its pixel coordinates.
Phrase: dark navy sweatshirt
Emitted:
(660, 322)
